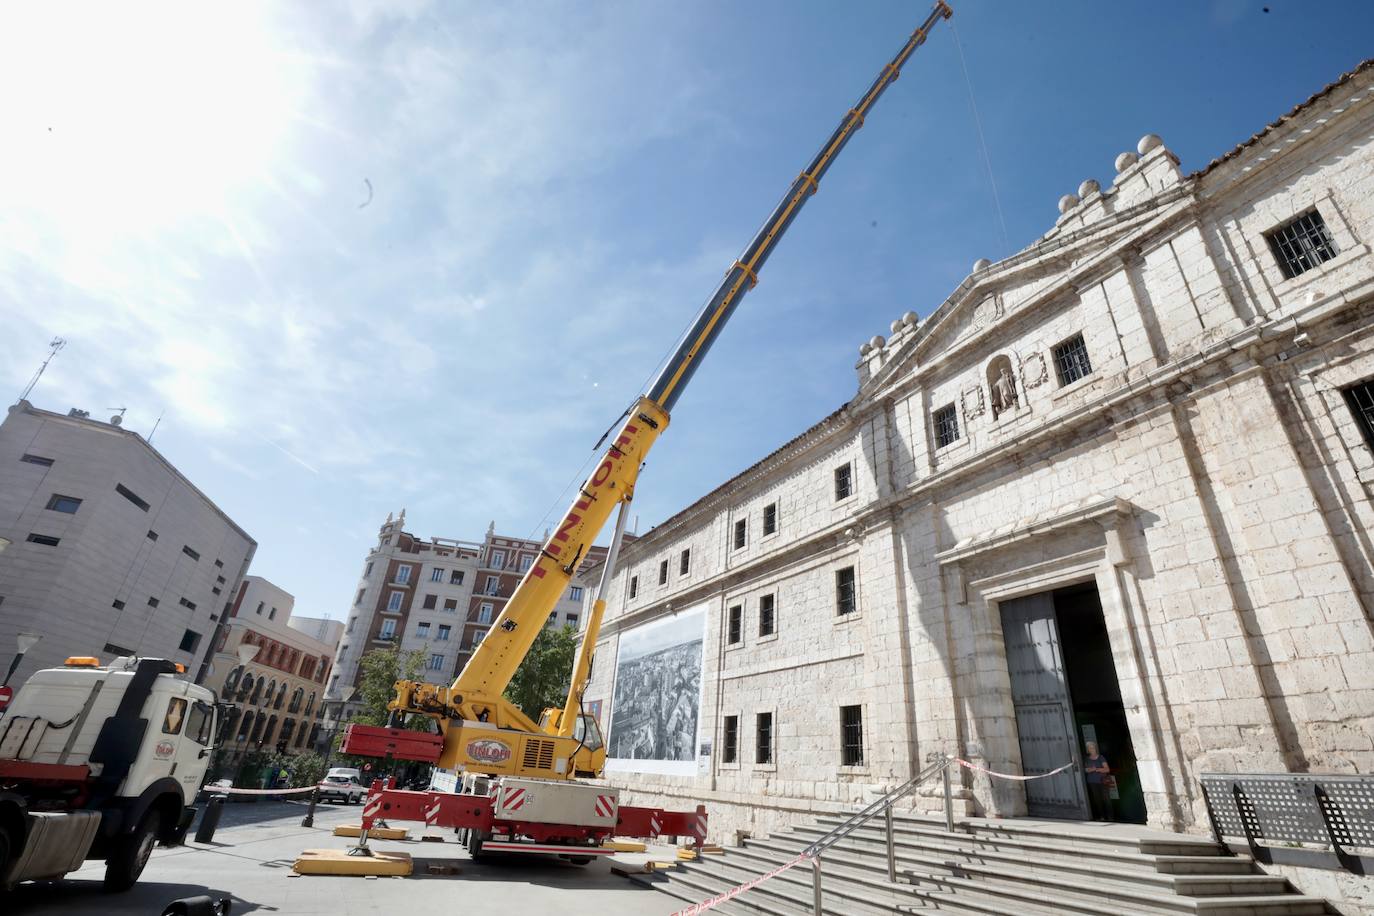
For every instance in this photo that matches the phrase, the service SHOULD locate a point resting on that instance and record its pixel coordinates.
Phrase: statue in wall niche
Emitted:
(1003, 391)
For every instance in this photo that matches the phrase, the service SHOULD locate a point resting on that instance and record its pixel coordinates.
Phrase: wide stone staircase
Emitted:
(990, 867)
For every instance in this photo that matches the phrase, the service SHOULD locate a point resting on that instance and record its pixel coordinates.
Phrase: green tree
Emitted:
(381, 669)
(542, 679)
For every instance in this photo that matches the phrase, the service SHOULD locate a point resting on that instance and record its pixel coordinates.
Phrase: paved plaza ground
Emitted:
(250, 860)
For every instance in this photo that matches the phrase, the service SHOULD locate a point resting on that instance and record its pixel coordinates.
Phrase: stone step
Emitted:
(660, 881)
(784, 895)
(857, 888)
(917, 868)
(1118, 865)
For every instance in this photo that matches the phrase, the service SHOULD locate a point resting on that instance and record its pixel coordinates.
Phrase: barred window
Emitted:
(684, 563)
(663, 572)
(1301, 244)
(844, 482)
(634, 586)
(844, 591)
(767, 616)
(852, 736)
(764, 743)
(946, 426)
(770, 518)
(729, 752)
(1360, 399)
(735, 627)
(741, 530)
(1071, 361)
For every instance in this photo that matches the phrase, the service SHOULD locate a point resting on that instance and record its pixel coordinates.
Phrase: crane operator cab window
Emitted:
(588, 732)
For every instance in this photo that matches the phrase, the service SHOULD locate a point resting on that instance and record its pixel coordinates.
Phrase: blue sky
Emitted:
(555, 189)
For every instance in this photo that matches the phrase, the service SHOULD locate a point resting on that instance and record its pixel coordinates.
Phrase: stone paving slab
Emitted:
(255, 845)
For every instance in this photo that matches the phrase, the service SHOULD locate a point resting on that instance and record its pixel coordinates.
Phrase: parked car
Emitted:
(344, 784)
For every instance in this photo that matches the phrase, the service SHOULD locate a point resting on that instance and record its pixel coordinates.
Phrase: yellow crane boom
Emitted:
(485, 733)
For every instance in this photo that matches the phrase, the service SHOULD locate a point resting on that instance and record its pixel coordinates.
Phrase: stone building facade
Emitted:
(113, 551)
(1116, 488)
(278, 695)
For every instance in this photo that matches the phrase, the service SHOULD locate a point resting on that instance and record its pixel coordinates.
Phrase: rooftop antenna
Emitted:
(117, 419)
(54, 347)
(156, 425)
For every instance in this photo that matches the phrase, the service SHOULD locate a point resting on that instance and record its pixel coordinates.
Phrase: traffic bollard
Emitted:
(309, 819)
(205, 833)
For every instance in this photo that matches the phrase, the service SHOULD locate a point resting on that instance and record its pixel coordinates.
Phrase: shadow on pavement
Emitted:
(79, 898)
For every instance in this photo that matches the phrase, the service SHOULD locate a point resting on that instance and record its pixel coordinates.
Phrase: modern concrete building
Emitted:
(437, 597)
(279, 693)
(113, 551)
(1117, 488)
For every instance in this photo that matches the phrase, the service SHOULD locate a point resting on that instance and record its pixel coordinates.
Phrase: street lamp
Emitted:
(25, 641)
(309, 819)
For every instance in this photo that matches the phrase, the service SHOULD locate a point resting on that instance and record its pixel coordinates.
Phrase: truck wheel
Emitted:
(126, 863)
(4, 858)
(475, 844)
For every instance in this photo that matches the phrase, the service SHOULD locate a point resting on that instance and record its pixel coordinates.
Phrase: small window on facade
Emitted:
(388, 629)
(770, 518)
(484, 613)
(403, 574)
(735, 624)
(684, 562)
(443, 632)
(272, 614)
(422, 630)
(187, 604)
(767, 615)
(451, 605)
(152, 535)
(436, 662)
(852, 736)
(359, 600)
(729, 740)
(46, 540)
(261, 606)
(741, 532)
(351, 622)
(456, 577)
(117, 605)
(190, 553)
(431, 602)
(572, 620)
(946, 421)
(634, 586)
(393, 603)
(663, 573)
(763, 748)
(36, 459)
(1360, 399)
(478, 637)
(1071, 361)
(131, 496)
(189, 640)
(1302, 243)
(575, 593)
(68, 504)
(214, 591)
(493, 586)
(844, 482)
(498, 559)
(526, 561)
(220, 564)
(844, 591)
(367, 571)
(436, 575)
(152, 602)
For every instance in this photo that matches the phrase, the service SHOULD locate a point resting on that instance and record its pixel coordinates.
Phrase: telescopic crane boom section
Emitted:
(483, 732)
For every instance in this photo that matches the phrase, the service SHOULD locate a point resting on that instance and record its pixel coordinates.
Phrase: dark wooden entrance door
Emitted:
(1044, 709)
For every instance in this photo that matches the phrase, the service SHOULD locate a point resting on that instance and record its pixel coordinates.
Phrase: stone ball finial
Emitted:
(911, 319)
(981, 264)
(864, 348)
(1089, 187)
(895, 326)
(1067, 203)
(877, 342)
(1147, 143)
(1125, 161)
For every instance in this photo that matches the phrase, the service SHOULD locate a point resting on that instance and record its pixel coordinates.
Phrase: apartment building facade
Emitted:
(112, 551)
(1116, 489)
(278, 695)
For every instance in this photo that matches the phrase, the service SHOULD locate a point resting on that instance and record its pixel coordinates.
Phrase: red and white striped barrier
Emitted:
(432, 813)
(655, 825)
(973, 766)
(605, 806)
(514, 798)
(372, 806)
(738, 889)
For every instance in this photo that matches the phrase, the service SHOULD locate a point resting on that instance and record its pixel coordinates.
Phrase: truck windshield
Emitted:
(199, 724)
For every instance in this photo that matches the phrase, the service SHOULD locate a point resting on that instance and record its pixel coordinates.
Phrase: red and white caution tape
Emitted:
(738, 889)
(229, 790)
(974, 766)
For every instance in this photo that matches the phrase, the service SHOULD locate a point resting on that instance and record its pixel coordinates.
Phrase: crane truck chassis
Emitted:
(100, 763)
(527, 802)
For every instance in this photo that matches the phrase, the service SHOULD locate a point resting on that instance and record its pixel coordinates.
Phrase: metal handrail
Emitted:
(940, 764)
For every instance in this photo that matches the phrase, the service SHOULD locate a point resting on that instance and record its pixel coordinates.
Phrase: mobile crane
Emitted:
(526, 797)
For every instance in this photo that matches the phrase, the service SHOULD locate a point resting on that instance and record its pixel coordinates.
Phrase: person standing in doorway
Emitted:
(1097, 773)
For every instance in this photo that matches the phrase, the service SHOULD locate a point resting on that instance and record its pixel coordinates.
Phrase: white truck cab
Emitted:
(100, 762)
